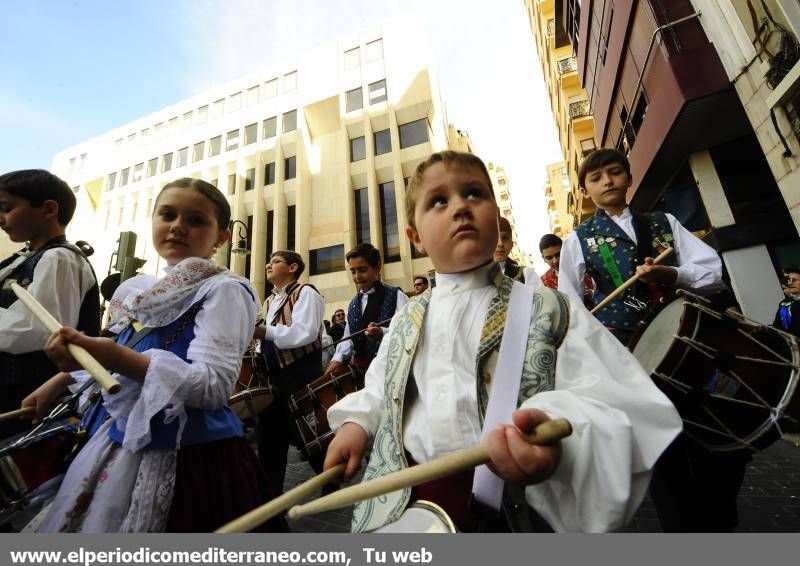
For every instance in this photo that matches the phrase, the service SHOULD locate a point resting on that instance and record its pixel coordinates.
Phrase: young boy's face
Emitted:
(552, 256)
(364, 275)
(504, 245)
(455, 217)
(607, 186)
(21, 221)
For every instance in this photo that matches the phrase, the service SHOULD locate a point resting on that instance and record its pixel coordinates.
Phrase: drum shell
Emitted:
(774, 384)
(309, 406)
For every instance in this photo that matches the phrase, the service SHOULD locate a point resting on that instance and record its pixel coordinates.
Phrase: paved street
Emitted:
(768, 502)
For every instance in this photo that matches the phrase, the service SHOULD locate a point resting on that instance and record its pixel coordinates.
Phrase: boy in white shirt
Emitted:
(427, 389)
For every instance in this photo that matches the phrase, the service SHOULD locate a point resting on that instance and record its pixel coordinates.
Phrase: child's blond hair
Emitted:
(447, 158)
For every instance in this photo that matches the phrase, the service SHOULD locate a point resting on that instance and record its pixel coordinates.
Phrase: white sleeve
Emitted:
(699, 265)
(223, 329)
(60, 282)
(344, 350)
(572, 268)
(402, 299)
(307, 317)
(621, 423)
(532, 278)
(364, 406)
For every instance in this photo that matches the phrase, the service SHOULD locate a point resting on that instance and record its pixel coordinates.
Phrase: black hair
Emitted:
(37, 186)
(425, 279)
(600, 158)
(368, 252)
(291, 258)
(548, 241)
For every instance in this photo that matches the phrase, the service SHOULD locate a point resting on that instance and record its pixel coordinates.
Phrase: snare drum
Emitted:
(31, 467)
(420, 517)
(309, 406)
(249, 402)
(732, 380)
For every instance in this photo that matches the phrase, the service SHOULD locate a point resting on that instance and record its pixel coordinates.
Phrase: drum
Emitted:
(249, 402)
(309, 406)
(253, 372)
(420, 517)
(32, 465)
(732, 380)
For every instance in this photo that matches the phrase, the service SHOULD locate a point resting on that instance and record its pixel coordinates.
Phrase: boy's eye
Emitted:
(438, 201)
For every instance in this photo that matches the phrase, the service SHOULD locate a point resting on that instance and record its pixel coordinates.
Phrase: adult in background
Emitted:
(420, 284)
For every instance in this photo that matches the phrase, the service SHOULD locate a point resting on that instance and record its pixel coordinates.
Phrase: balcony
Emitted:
(578, 109)
(568, 65)
(551, 28)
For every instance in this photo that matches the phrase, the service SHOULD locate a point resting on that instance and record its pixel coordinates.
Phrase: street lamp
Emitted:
(241, 244)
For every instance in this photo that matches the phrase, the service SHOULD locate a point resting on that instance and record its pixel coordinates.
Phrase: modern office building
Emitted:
(313, 154)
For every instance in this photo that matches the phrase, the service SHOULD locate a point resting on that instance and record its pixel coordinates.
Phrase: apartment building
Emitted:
(560, 199)
(313, 153)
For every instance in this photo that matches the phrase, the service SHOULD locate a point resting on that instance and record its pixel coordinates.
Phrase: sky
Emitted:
(74, 69)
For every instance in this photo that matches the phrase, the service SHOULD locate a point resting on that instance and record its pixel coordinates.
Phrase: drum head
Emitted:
(658, 337)
(250, 400)
(421, 517)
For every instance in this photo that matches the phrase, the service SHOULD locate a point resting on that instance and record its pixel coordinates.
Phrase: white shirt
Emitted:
(621, 421)
(345, 348)
(529, 275)
(307, 315)
(699, 266)
(61, 280)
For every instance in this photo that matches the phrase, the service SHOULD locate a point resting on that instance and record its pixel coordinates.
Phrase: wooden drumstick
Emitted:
(262, 514)
(84, 358)
(621, 289)
(23, 412)
(452, 463)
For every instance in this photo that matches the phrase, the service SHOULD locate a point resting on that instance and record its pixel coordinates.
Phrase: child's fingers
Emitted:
(503, 463)
(353, 464)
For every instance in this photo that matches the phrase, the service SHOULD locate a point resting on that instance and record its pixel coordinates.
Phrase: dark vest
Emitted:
(380, 306)
(34, 367)
(514, 271)
(788, 316)
(600, 230)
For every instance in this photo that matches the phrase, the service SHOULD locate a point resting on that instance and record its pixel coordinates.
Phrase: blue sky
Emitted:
(75, 69)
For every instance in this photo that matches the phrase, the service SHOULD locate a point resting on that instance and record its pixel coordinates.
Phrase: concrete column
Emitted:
(752, 274)
(239, 212)
(400, 197)
(348, 192)
(258, 243)
(303, 204)
(375, 224)
(280, 212)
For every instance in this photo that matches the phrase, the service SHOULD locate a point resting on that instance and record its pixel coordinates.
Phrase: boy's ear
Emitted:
(413, 235)
(584, 192)
(224, 236)
(49, 209)
(293, 267)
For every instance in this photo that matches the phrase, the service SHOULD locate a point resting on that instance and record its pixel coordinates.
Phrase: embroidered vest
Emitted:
(387, 295)
(35, 367)
(599, 231)
(548, 326)
(284, 316)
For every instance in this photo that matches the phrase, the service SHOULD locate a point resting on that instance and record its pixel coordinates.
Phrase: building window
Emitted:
(197, 151)
(362, 216)
(132, 138)
(374, 50)
(231, 183)
(166, 162)
(218, 109)
(111, 181)
(290, 227)
(290, 81)
(377, 92)
(389, 225)
(289, 121)
(249, 180)
(144, 134)
(215, 182)
(138, 169)
(353, 100)
(172, 124)
(123, 177)
(252, 95)
(214, 146)
(413, 133)
(639, 113)
(269, 173)
(183, 157)
(358, 149)
(152, 167)
(383, 142)
(235, 102)
(201, 117)
(326, 260)
(352, 59)
(271, 89)
(270, 225)
(232, 140)
(158, 130)
(186, 120)
(270, 128)
(250, 133)
(290, 167)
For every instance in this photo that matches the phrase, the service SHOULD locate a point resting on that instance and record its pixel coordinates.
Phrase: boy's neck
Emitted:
(45, 236)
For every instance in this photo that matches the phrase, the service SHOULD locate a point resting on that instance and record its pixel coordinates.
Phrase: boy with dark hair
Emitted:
(292, 340)
(616, 243)
(787, 318)
(35, 207)
(505, 243)
(438, 361)
(694, 490)
(550, 248)
(374, 302)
